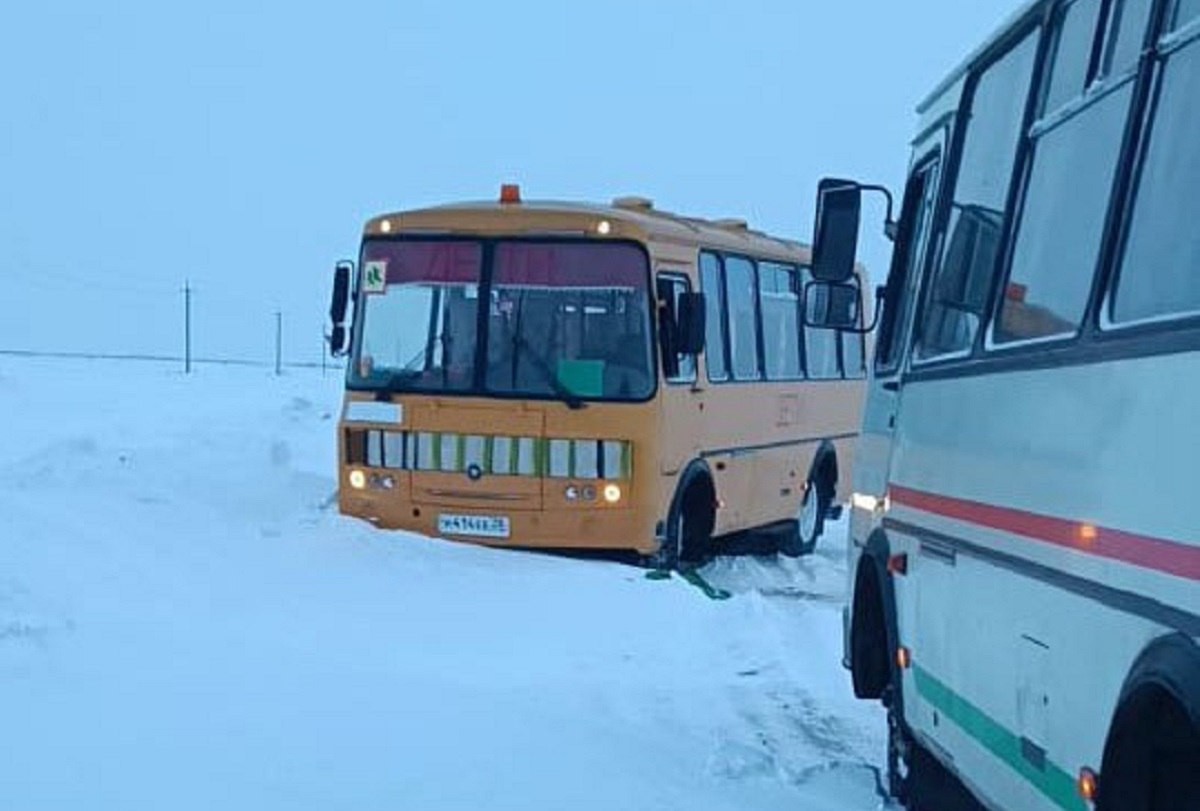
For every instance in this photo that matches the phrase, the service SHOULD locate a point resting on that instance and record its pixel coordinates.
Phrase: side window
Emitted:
(1075, 27)
(958, 294)
(1128, 27)
(1187, 12)
(901, 294)
(1057, 240)
(742, 296)
(820, 345)
(670, 287)
(780, 307)
(1158, 274)
(714, 296)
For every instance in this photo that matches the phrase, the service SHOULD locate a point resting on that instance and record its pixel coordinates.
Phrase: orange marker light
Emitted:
(898, 564)
(1086, 784)
(510, 193)
(903, 657)
(1087, 534)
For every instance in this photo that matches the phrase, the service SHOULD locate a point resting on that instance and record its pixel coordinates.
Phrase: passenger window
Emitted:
(958, 294)
(1158, 275)
(780, 305)
(1129, 32)
(1075, 39)
(670, 288)
(1186, 12)
(714, 298)
(1057, 240)
(741, 295)
(820, 345)
(854, 352)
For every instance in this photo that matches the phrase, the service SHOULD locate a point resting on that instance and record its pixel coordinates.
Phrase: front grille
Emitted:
(497, 455)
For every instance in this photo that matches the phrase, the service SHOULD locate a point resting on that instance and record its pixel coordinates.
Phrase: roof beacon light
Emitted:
(510, 193)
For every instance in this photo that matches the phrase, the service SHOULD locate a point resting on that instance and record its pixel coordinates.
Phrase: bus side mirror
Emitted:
(832, 305)
(835, 234)
(337, 308)
(690, 323)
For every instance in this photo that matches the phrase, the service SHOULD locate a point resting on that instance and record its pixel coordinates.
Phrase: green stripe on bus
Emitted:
(514, 455)
(1052, 781)
(460, 451)
(437, 451)
(571, 458)
(625, 461)
(488, 449)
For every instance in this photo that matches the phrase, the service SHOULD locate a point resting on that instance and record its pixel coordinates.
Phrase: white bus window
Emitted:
(1158, 273)
(1058, 237)
(958, 293)
(1187, 11)
(1129, 25)
(741, 295)
(1075, 38)
(714, 330)
(781, 324)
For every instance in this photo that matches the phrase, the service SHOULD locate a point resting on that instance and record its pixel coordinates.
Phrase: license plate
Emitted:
(478, 526)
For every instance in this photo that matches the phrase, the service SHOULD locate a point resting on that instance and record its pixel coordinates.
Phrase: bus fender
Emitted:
(1171, 663)
(695, 470)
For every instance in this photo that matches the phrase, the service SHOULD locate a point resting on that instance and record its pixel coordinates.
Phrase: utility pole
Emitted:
(187, 327)
(278, 342)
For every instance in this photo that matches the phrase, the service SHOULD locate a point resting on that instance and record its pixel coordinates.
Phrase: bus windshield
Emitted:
(564, 320)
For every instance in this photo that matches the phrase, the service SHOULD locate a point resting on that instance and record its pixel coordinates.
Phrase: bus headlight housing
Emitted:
(612, 493)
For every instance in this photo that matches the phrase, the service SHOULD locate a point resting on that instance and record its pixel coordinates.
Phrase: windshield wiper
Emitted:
(573, 400)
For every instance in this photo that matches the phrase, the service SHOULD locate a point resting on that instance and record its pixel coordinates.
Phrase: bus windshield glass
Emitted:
(564, 320)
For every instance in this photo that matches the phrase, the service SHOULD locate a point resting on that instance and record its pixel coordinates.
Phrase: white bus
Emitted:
(1025, 565)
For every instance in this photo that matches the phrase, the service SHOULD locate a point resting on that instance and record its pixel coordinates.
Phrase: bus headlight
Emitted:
(358, 479)
(612, 493)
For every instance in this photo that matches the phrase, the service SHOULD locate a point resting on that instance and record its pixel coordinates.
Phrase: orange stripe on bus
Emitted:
(1159, 554)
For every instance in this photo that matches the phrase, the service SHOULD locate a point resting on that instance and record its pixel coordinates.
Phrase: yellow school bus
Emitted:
(565, 375)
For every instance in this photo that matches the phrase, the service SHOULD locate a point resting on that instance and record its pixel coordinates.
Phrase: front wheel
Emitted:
(689, 532)
(810, 520)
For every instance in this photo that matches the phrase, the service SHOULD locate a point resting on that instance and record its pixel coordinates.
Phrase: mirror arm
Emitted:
(890, 227)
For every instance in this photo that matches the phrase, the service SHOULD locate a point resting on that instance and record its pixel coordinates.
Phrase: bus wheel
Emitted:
(689, 528)
(810, 519)
(1150, 763)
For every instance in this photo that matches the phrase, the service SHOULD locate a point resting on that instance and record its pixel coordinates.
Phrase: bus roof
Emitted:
(629, 217)
(1009, 23)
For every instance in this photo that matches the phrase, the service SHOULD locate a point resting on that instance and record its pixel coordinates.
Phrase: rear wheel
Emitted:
(810, 519)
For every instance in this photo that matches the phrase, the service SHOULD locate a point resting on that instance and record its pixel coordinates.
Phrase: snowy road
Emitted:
(186, 623)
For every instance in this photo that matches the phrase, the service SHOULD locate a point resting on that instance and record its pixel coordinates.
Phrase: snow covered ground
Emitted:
(187, 623)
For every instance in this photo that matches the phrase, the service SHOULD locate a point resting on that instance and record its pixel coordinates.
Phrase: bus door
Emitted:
(874, 451)
(680, 399)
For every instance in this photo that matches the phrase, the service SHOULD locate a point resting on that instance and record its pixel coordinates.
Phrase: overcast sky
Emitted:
(241, 144)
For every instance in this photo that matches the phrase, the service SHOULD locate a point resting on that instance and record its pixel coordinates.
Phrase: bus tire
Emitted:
(690, 523)
(814, 508)
(1152, 755)
(870, 662)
